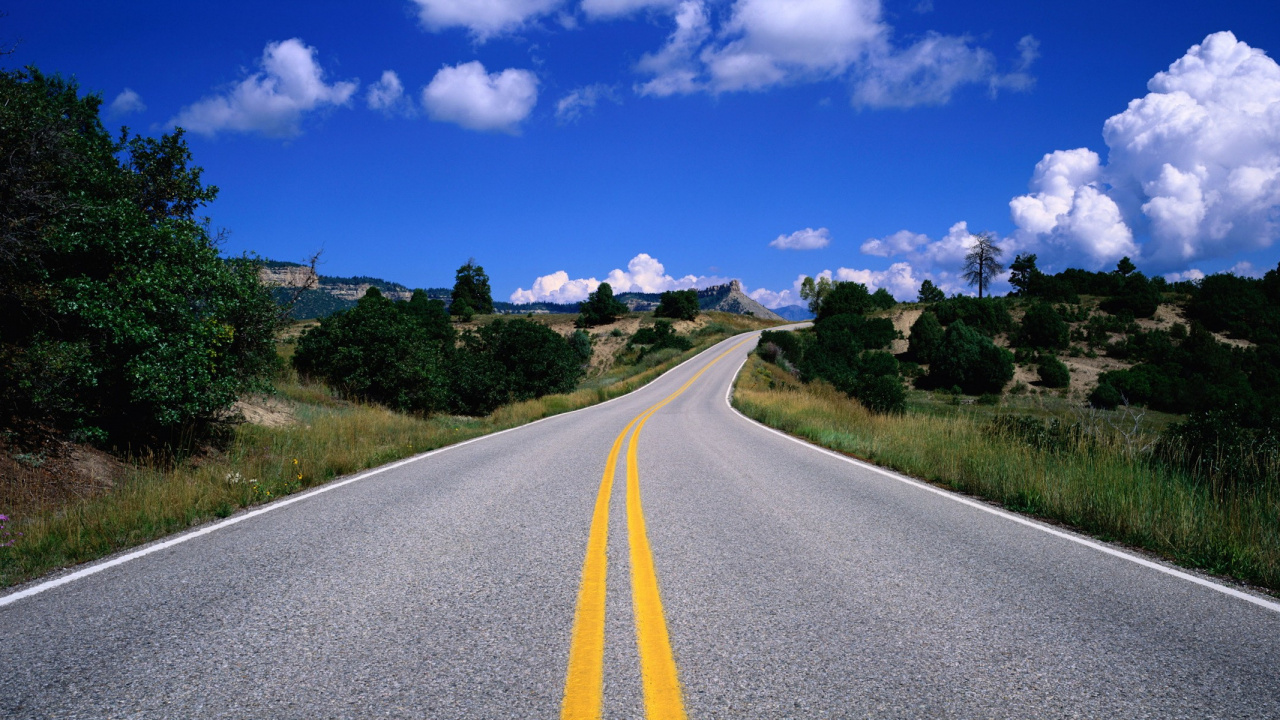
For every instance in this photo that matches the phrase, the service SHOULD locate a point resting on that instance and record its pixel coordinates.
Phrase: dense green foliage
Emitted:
(660, 336)
(380, 351)
(600, 308)
(1053, 373)
(406, 355)
(930, 293)
(967, 359)
(471, 292)
(119, 320)
(1042, 327)
(850, 298)
(678, 305)
(926, 336)
(844, 348)
(989, 316)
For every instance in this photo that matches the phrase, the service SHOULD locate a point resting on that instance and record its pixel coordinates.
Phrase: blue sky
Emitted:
(659, 144)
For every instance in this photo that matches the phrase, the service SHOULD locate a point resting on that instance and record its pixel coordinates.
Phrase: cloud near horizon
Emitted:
(643, 274)
(271, 101)
(1192, 171)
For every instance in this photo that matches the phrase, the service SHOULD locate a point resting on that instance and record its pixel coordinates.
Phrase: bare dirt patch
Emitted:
(265, 410)
(44, 472)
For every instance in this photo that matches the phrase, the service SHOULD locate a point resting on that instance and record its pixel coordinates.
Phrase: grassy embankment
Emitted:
(1105, 486)
(327, 437)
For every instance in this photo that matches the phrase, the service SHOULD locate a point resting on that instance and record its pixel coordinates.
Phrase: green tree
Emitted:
(969, 360)
(926, 335)
(1043, 327)
(882, 300)
(600, 308)
(930, 293)
(846, 298)
(472, 285)
(511, 361)
(1024, 276)
(1125, 267)
(815, 291)
(678, 305)
(982, 262)
(119, 319)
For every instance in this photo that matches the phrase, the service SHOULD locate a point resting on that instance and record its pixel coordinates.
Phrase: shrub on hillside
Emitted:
(926, 335)
(969, 360)
(678, 305)
(846, 298)
(510, 361)
(1042, 327)
(989, 316)
(600, 308)
(1053, 372)
(378, 352)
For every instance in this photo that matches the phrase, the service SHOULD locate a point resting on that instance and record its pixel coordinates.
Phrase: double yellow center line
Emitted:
(584, 683)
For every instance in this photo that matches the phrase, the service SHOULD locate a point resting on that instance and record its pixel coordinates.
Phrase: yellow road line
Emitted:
(584, 682)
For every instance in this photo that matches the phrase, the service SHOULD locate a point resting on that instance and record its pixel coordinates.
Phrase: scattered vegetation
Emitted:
(678, 305)
(1101, 472)
(600, 308)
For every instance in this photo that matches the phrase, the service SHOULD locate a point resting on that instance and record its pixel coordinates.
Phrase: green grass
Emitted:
(1107, 487)
(330, 438)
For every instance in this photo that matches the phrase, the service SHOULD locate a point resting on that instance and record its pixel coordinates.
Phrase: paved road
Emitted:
(792, 584)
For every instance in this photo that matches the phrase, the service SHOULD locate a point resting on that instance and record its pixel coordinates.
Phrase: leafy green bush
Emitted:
(516, 360)
(1105, 396)
(846, 298)
(118, 318)
(678, 304)
(659, 337)
(1042, 327)
(970, 361)
(1053, 372)
(989, 316)
(926, 335)
(600, 308)
(379, 352)
(580, 341)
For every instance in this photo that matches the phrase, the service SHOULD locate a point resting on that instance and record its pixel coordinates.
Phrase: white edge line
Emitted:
(1260, 602)
(99, 566)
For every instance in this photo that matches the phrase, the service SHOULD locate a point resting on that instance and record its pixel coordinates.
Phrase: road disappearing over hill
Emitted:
(655, 556)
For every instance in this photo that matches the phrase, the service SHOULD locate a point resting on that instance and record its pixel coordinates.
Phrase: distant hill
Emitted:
(328, 294)
(724, 298)
(794, 313)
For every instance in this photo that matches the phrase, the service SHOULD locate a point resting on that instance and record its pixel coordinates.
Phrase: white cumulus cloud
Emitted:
(127, 102)
(762, 43)
(272, 100)
(484, 18)
(899, 243)
(643, 274)
(468, 96)
(387, 94)
(806, 239)
(1192, 173)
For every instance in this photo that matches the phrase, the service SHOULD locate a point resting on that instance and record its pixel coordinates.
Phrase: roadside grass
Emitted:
(1101, 484)
(328, 438)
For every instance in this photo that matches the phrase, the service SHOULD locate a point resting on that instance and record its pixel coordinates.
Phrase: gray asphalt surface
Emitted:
(795, 585)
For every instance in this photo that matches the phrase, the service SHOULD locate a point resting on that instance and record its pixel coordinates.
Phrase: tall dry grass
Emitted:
(1099, 485)
(329, 437)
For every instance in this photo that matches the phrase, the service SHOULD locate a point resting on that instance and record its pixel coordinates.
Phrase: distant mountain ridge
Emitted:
(326, 294)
